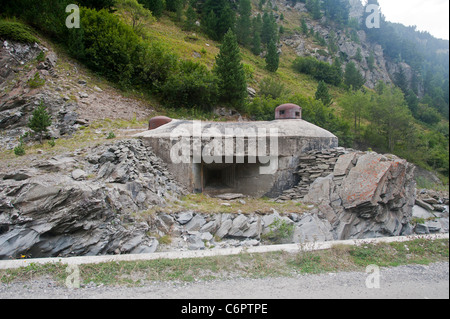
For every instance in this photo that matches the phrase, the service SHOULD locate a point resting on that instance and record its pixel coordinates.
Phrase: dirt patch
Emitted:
(108, 103)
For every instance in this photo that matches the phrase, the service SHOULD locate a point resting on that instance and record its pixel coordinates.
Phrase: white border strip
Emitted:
(290, 248)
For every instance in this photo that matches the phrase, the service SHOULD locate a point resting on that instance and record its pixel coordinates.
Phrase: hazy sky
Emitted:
(427, 15)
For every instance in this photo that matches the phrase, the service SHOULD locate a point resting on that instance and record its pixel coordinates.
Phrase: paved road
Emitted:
(405, 282)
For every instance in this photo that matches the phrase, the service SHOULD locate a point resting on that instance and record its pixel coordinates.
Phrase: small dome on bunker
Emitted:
(158, 121)
(288, 112)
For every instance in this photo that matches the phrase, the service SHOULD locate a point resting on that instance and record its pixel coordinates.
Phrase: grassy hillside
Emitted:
(196, 46)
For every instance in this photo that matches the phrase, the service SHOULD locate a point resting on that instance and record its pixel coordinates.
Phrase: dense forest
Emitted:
(408, 118)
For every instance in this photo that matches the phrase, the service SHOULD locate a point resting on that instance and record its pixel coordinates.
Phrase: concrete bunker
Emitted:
(252, 158)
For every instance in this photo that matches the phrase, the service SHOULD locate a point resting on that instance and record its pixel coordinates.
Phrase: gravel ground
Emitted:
(405, 282)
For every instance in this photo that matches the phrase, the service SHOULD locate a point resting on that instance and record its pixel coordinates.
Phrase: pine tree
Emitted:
(304, 27)
(352, 77)
(227, 20)
(230, 72)
(272, 57)
(337, 10)
(222, 19)
(209, 25)
(401, 81)
(371, 61)
(155, 6)
(40, 120)
(256, 34)
(243, 25)
(354, 105)
(173, 5)
(256, 43)
(323, 95)
(336, 68)
(358, 56)
(313, 7)
(269, 29)
(191, 18)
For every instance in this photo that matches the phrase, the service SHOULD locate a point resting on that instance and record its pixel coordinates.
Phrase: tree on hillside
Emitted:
(269, 29)
(227, 21)
(390, 117)
(272, 57)
(40, 121)
(230, 72)
(256, 34)
(256, 43)
(352, 77)
(175, 6)
(323, 95)
(244, 23)
(337, 10)
(135, 12)
(354, 104)
(400, 80)
(313, 7)
(191, 18)
(209, 24)
(155, 6)
(218, 18)
(303, 26)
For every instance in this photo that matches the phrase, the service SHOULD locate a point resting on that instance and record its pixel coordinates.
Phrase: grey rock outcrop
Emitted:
(373, 197)
(431, 212)
(348, 44)
(53, 209)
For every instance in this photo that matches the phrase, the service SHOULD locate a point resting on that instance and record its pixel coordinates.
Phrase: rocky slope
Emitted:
(69, 92)
(347, 45)
(364, 194)
(83, 203)
(96, 201)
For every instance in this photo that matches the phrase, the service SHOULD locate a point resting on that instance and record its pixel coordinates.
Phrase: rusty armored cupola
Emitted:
(158, 121)
(288, 112)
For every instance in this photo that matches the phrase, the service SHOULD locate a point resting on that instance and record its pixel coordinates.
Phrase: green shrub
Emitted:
(273, 88)
(16, 31)
(19, 150)
(110, 45)
(262, 108)
(321, 71)
(52, 142)
(192, 86)
(154, 64)
(111, 136)
(279, 230)
(41, 57)
(36, 81)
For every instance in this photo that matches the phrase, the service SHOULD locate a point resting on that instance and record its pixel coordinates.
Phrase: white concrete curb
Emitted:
(291, 248)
